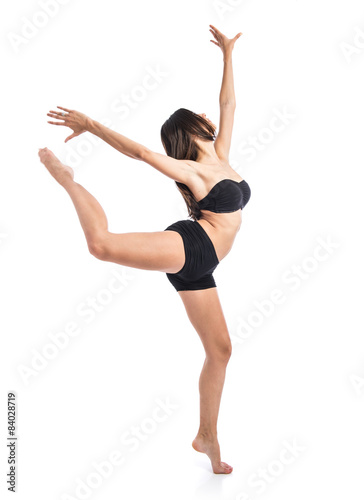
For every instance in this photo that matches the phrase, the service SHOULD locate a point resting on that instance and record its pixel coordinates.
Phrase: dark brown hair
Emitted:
(177, 140)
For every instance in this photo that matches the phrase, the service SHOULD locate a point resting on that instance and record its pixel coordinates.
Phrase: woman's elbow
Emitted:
(142, 154)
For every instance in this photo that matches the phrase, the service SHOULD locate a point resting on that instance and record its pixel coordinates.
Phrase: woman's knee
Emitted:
(220, 352)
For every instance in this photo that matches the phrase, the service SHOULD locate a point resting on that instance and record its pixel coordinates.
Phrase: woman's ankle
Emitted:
(210, 434)
(66, 181)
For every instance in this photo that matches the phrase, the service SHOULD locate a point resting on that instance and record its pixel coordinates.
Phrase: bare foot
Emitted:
(210, 446)
(59, 171)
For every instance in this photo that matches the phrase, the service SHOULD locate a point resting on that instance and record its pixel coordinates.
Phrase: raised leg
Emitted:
(158, 251)
(205, 313)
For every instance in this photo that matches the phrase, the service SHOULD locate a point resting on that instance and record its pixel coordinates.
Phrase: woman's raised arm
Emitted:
(227, 94)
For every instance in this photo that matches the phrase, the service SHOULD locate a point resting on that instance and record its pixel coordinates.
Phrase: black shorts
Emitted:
(200, 257)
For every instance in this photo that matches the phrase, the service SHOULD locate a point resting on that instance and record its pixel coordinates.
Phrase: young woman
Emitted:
(188, 251)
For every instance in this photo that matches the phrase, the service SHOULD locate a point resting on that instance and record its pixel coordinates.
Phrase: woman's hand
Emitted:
(75, 120)
(226, 44)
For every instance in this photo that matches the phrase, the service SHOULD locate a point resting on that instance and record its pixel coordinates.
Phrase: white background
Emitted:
(298, 376)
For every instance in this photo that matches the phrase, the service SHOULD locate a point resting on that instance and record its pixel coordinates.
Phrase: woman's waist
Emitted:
(221, 229)
(227, 222)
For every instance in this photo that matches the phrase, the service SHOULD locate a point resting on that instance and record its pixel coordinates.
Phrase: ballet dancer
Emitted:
(189, 250)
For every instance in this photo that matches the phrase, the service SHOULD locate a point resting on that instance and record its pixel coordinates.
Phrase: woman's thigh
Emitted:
(156, 251)
(205, 312)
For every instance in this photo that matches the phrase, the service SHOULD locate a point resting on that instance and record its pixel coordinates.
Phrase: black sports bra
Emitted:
(226, 196)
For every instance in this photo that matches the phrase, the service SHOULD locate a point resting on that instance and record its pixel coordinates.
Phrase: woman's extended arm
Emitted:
(227, 94)
(81, 123)
(178, 170)
(118, 141)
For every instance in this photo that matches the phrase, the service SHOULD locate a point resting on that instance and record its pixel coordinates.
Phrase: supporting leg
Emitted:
(205, 313)
(211, 384)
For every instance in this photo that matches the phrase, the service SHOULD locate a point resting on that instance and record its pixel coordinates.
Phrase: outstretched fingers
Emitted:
(55, 115)
(57, 123)
(64, 109)
(217, 36)
(58, 115)
(221, 38)
(215, 29)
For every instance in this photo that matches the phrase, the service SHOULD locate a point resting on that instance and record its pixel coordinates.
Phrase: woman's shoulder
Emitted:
(210, 169)
(207, 171)
(206, 175)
